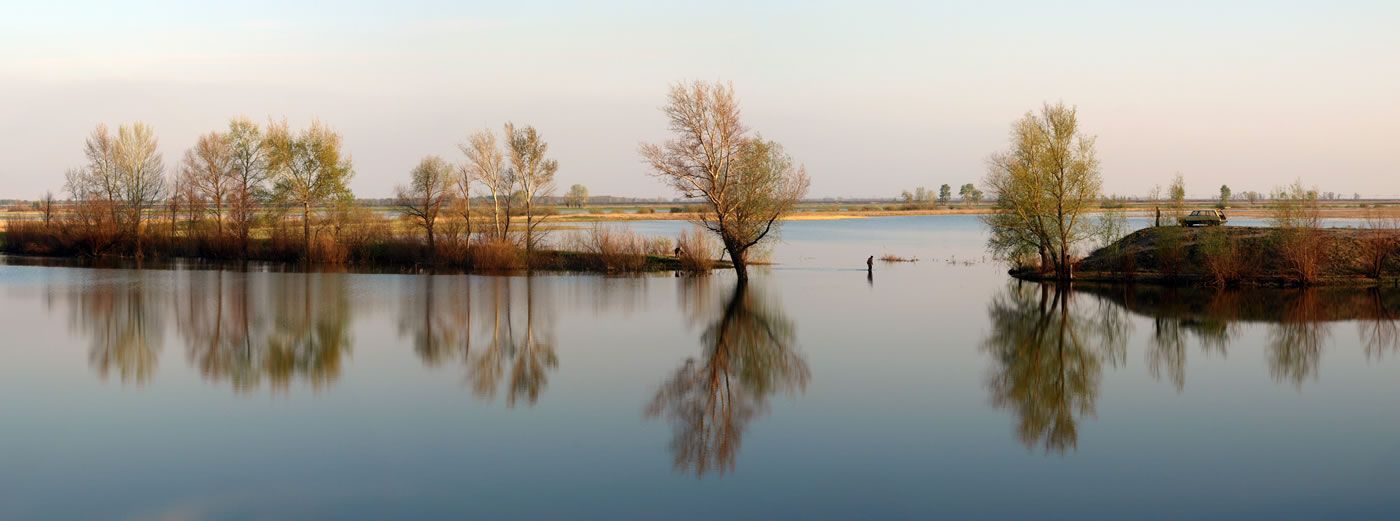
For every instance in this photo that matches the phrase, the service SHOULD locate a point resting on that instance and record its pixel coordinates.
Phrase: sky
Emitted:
(874, 97)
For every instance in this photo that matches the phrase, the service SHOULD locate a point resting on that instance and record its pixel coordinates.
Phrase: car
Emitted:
(1203, 218)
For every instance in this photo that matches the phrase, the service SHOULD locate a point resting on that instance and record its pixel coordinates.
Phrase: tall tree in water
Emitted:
(1044, 184)
(308, 170)
(746, 184)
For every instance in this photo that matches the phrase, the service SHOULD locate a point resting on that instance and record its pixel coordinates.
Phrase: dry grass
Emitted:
(895, 258)
(495, 255)
(698, 252)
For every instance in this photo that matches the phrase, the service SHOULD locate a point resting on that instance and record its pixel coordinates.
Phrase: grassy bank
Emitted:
(373, 247)
(1243, 256)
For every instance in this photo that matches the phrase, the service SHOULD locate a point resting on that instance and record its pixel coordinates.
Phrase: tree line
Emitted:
(243, 192)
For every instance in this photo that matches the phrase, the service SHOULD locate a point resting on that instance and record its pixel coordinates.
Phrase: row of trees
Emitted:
(230, 179)
(228, 175)
(518, 173)
(921, 196)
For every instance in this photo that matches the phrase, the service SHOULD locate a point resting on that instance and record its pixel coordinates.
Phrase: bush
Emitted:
(697, 251)
(1171, 250)
(1223, 256)
(612, 249)
(495, 254)
(646, 210)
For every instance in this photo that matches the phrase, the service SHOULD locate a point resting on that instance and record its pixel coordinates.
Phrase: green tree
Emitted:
(577, 196)
(249, 161)
(970, 194)
(1045, 184)
(534, 174)
(308, 170)
(1177, 193)
(945, 194)
(1224, 196)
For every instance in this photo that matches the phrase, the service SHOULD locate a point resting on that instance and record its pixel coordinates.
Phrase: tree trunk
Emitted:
(432, 244)
(306, 231)
(736, 257)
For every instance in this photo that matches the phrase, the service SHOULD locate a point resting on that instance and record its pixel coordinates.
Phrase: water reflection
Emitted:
(1048, 355)
(1297, 323)
(749, 353)
(1049, 344)
(514, 349)
(123, 321)
(297, 328)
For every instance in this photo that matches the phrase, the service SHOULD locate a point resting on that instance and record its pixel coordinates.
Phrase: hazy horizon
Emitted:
(874, 99)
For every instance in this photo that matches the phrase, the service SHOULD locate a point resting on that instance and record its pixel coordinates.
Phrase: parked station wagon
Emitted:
(1204, 218)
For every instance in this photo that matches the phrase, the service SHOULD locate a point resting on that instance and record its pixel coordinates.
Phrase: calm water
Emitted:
(935, 389)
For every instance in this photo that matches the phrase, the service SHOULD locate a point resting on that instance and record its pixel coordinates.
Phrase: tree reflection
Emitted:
(438, 319)
(1296, 321)
(1048, 355)
(1295, 343)
(1380, 334)
(522, 361)
(749, 354)
(297, 327)
(122, 317)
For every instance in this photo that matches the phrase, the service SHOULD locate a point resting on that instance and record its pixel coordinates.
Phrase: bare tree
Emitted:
(534, 174)
(208, 167)
(248, 153)
(141, 174)
(46, 208)
(429, 189)
(1380, 241)
(98, 183)
(486, 164)
(308, 170)
(1045, 184)
(745, 183)
(462, 196)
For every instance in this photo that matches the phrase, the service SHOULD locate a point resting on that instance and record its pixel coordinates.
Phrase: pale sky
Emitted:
(873, 97)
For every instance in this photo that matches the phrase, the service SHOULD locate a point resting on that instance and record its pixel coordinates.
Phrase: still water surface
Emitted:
(935, 389)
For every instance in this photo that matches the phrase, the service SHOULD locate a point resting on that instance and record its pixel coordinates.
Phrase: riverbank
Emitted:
(601, 251)
(1242, 256)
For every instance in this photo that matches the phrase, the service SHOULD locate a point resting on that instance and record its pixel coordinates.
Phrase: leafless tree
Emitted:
(208, 168)
(46, 208)
(534, 174)
(746, 183)
(1380, 241)
(429, 189)
(462, 196)
(486, 164)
